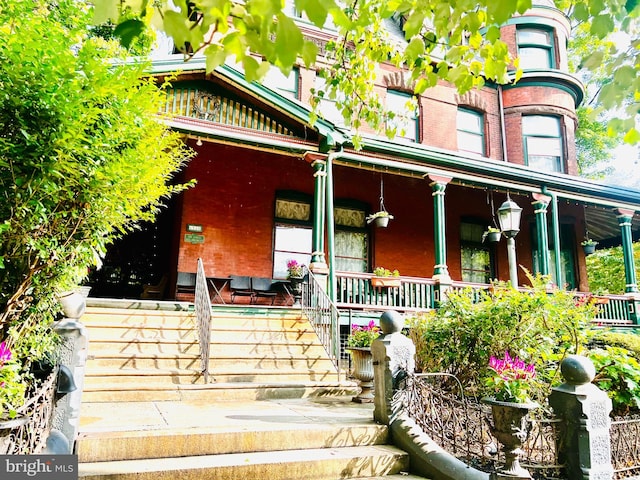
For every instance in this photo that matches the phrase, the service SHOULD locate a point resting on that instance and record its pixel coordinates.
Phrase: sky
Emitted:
(626, 164)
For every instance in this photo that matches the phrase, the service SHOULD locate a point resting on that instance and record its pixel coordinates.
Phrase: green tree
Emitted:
(605, 270)
(433, 49)
(83, 157)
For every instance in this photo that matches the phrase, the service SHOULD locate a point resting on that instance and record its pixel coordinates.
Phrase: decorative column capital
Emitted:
(624, 216)
(540, 202)
(314, 158)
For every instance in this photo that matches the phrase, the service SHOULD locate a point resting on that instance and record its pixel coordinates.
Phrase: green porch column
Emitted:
(540, 204)
(624, 220)
(440, 270)
(318, 263)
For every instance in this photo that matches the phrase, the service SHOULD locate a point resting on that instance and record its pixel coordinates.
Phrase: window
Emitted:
(351, 240)
(476, 258)
(535, 48)
(286, 86)
(293, 234)
(327, 107)
(542, 143)
(567, 255)
(470, 125)
(406, 120)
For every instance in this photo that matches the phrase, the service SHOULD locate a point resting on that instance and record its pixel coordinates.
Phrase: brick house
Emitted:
(272, 187)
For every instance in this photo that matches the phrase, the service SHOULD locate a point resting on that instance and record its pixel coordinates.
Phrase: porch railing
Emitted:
(324, 316)
(354, 290)
(203, 319)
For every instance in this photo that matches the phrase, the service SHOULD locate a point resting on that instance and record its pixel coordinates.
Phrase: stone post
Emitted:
(584, 412)
(72, 357)
(393, 359)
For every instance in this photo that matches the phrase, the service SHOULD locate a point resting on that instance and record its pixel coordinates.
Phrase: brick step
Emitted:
(310, 464)
(132, 335)
(139, 444)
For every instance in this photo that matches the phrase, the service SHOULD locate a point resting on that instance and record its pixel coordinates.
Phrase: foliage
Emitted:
(83, 158)
(605, 270)
(12, 389)
(536, 324)
(379, 214)
(294, 269)
(588, 241)
(628, 341)
(362, 336)
(432, 49)
(385, 272)
(594, 145)
(618, 373)
(511, 379)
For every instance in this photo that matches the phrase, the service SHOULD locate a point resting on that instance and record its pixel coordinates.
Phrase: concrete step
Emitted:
(220, 392)
(309, 464)
(189, 441)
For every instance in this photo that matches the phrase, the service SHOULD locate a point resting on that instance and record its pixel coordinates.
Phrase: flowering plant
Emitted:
(511, 379)
(12, 388)
(363, 336)
(295, 269)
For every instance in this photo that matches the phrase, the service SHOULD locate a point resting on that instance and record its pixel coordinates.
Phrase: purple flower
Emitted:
(5, 353)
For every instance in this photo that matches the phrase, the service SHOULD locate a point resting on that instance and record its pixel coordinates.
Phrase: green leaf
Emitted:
(316, 10)
(624, 76)
(215, 56)
(632, 136)
(414, 23)
(309, 53)
(289, 41)
(592, 61)
(602, 25)
(104, 10)
(128, 31)
(415, 49)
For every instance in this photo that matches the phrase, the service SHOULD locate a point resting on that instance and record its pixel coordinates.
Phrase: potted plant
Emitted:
(380, 218)
(491, 234)
(510, 384)
(384, 277)
(589, 246)
(295, 275)
(359, 346)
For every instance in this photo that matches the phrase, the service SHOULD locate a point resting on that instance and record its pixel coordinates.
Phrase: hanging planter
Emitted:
(491, 235)
(589, 246)
(381, 217)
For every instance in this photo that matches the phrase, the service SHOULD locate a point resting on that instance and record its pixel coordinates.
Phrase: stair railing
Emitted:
(324, 317)
(203, 319)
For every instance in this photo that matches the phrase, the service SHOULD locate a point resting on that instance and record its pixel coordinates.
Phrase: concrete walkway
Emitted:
(226, 416)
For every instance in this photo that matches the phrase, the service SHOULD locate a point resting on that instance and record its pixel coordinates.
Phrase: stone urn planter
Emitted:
(296, 289)
(510, 428)
(73, 304)
(363, 371)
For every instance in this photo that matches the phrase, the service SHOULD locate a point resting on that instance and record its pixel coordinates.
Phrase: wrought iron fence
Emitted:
(323, 315)
(203, 319)
(31, 437)
(462, 426)
(625, 446)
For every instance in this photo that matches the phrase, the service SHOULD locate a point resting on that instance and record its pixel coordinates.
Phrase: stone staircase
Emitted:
(256, 353)
(147, 414)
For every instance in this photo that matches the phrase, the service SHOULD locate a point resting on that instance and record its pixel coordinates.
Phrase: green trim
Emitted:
(627, 249)
(549, 48)
(540, 208)
(439, 229)
(535, 21)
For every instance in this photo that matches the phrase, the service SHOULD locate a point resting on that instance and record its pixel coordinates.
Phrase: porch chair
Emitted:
(240, 286)
(263, 288)
(186, 283)
(155, 292)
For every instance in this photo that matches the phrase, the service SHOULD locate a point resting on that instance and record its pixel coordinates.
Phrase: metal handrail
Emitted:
(203, 319)
(324, 317)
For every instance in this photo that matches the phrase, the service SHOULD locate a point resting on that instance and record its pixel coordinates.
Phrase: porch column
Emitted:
(624, 220)
(318, 263)
(540, 204)
(440, 270)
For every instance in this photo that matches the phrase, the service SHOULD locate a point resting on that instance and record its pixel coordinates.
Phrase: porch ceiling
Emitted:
(602, 225)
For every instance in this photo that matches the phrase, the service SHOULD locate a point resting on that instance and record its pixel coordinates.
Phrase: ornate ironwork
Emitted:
(31, 436)
(460, 425)
(203, 319)
(625, 446)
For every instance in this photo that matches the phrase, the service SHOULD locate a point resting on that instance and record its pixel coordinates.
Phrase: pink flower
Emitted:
(5, 353)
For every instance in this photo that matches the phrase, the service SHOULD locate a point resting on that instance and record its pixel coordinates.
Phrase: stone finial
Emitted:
(391, 322)
(577, 370)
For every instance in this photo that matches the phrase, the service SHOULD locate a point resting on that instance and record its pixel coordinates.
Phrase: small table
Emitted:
(285, 289)
(218, 284)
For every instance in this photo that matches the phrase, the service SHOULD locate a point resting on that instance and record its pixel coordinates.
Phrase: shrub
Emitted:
(629, 341)
(538, 325)
(618, 373)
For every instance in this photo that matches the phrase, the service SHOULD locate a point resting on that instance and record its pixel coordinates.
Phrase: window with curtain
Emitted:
(293, 234)
(406, 119)
(351, 240)
(470, 126)
(535, 48)
(476, 258)
(543, 142)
